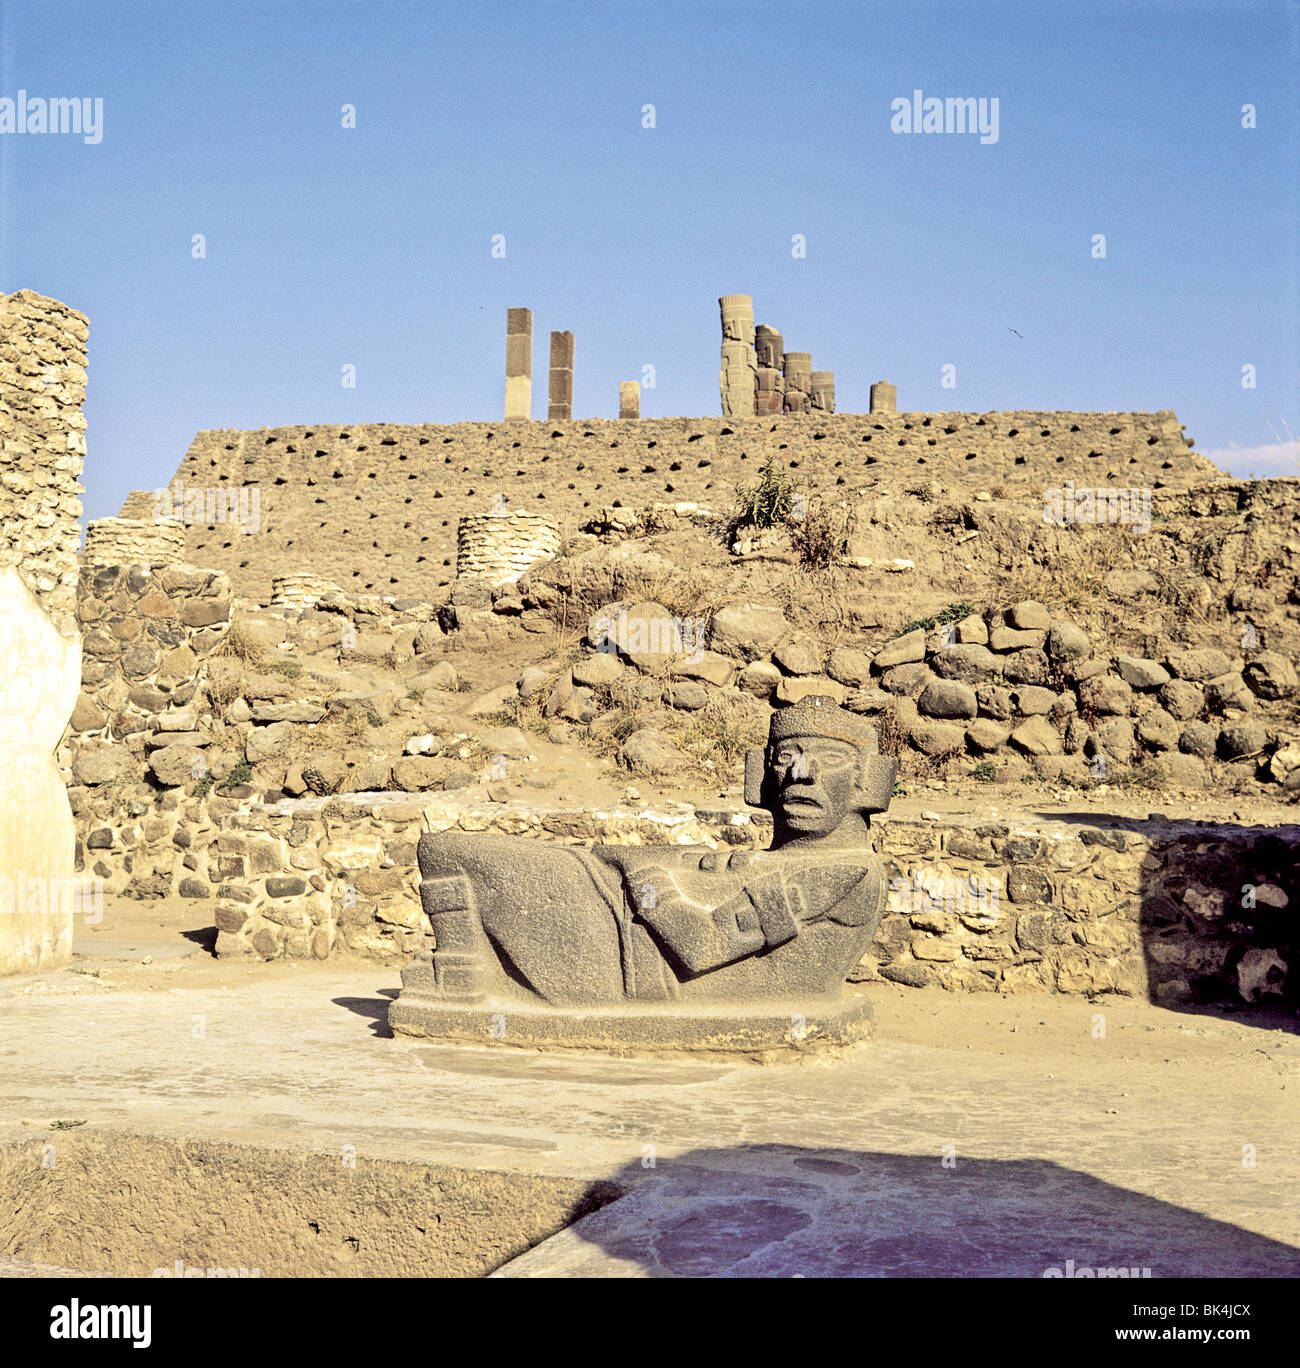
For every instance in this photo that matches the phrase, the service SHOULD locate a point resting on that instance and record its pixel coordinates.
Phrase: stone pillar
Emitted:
(823, 391)
(769, 346)
(797, 368)
(769, 398)
(884, 397)
(42, 387)
(769, 390)
(519, 363)
(561, 387)
(739, 375)
(629, 399)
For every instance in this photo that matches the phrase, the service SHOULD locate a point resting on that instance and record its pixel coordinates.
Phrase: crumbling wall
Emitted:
(134, 541)
(42, 386)
(375, 507)
(499, 549)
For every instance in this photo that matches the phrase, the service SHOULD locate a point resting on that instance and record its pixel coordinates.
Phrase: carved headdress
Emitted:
(819, 717)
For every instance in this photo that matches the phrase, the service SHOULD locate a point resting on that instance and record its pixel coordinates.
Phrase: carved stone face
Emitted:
(816, 779)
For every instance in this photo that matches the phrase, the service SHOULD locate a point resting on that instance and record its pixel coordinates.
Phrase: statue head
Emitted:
(820, 775)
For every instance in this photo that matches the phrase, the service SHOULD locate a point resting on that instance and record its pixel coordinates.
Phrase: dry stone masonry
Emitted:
(301, 591)
(42, 387)
(374, 507)
(134, 541)
(973, 906)
(499, 548)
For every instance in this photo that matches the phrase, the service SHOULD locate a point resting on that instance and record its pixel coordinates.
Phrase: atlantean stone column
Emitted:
(797, 367)
(739, 375)
(769, 348)
(629, 399)
(561, 379)
(519, 363)
(884, 397)
(42, 387)
(823, 391)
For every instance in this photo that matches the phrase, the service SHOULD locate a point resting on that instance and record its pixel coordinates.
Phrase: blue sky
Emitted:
(372, 246)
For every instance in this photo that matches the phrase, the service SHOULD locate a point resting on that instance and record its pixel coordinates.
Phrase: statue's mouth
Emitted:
(801, 801)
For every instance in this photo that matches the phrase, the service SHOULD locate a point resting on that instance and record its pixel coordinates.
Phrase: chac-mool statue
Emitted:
(625, 940)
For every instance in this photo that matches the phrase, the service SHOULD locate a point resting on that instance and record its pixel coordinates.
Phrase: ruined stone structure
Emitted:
(519, 363)
(375, 507)
(301, 591)
(149, 634)
(134, 541)
(560, 392)
(499, 548)
(42, 387)
(629, 399)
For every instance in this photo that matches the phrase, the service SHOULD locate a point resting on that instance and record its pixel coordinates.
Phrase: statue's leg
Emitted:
(510, 911)
(460, 962)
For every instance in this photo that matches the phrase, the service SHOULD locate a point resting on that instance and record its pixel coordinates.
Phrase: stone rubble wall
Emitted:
(1005, 694)
(42, 443)
(499, 548)
(42, 389)
(973, 906)
(309, 875)
(133, 541)
(302, 591)
(148, 635)
(375, 507)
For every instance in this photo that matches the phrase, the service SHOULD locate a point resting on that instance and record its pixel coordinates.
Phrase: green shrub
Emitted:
(954, 612)
(769, 501)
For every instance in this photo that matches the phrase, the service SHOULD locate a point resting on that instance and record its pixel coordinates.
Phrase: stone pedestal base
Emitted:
(752, 1030)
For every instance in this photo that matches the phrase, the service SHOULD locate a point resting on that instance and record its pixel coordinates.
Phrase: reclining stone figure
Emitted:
(519, 922)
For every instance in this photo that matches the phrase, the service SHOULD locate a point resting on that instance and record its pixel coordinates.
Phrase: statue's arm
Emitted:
(703, 938)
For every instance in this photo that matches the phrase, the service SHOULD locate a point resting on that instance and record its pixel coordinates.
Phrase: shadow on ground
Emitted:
(786, 1211)
(374, 1009)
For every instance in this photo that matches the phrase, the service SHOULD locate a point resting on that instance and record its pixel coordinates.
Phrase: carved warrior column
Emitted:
(823, 391)
(42, 386)
(519, 363)
(798, 382)
(561, 387)
(739, 375)
(629, 399)
(769, 397)
(884, 397)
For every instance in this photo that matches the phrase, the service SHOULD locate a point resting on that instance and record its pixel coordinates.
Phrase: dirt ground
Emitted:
(165, 946)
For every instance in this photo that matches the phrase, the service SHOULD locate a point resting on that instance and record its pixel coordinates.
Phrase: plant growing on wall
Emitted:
(769, 500)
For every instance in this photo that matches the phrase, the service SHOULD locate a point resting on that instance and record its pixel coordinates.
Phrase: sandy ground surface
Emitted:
(1107, 1132)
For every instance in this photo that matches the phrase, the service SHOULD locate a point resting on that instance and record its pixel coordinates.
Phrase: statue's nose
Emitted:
(807, 771)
